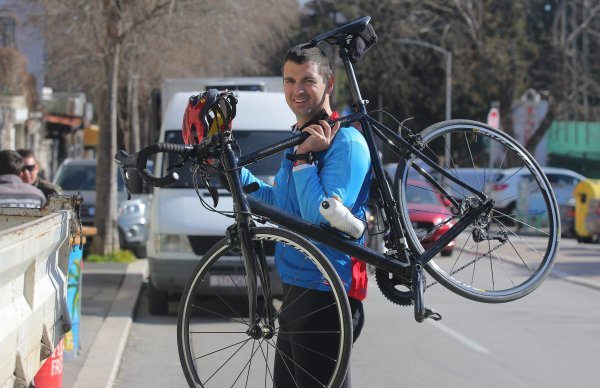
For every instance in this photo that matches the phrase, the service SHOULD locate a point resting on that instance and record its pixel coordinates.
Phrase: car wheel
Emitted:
(121, 240)
(446, 252)
(140, 252)
(158, 301)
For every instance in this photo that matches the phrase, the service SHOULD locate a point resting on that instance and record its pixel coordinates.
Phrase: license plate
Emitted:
(227, 281)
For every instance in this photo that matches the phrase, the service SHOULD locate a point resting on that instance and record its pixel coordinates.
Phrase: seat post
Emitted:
(358, 101)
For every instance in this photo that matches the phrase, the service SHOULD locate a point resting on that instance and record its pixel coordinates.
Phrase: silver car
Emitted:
(79, 175)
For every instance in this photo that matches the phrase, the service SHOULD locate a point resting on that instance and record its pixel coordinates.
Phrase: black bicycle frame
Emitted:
(246, 206)
(400, 146)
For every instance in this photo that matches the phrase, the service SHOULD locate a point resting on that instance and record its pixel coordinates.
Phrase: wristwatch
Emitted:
(309, 157)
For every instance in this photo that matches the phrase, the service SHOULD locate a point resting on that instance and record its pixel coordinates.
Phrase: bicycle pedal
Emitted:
(429, 313)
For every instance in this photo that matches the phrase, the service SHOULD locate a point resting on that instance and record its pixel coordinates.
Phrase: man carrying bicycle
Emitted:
(332, 162)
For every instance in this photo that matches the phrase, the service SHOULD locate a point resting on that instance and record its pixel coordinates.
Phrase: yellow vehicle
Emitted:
(587, 210)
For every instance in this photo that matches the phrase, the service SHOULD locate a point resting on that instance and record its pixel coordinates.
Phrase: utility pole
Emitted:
(448, 54)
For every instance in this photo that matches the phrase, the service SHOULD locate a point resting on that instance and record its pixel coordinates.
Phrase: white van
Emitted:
(181, 229)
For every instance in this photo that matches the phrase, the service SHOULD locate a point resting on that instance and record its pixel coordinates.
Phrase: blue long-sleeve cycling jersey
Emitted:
(342, 170)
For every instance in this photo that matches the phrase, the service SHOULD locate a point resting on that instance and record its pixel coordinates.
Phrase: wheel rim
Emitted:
(490, 270)
(233, 357)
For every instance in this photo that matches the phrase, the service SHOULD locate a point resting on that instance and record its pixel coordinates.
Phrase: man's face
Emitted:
(304, 90)
(30, 170)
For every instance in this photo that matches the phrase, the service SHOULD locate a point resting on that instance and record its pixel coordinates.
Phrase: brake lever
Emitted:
(214, 193)
(126, 180)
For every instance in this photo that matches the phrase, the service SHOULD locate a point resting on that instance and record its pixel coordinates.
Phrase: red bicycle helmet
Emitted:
(206, 114)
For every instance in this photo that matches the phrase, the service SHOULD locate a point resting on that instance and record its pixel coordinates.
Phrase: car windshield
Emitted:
(421, 195)
(247, 140)
(81, 177)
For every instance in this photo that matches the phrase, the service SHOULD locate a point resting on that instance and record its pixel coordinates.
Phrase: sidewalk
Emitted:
(109, 295)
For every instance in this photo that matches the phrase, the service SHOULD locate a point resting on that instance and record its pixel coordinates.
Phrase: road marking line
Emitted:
(461, 338)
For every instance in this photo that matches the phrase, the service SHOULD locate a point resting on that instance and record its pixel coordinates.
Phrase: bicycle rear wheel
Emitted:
(215, 348)
(502, 256)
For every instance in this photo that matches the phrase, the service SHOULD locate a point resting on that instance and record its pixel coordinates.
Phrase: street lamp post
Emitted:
(448, 54)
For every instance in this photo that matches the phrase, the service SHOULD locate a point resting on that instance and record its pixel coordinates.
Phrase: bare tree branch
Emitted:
(591, 15)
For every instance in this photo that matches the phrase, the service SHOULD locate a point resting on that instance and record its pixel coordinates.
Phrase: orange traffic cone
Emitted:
(51, 373)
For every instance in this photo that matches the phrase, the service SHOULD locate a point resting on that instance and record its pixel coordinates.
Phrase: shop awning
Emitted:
(58, 125)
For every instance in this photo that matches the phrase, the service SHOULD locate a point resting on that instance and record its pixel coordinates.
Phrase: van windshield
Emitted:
(248, 141)
(82, 177)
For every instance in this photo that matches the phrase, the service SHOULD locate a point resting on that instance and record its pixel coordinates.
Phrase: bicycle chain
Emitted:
(471, 262)
(436, 228)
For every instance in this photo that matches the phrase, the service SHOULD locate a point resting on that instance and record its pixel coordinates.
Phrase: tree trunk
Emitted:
(542, 129)
(107, 238)
(135, 115)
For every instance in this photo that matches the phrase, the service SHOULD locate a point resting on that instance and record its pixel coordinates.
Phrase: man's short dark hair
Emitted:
(26, 153)
(304, 52)
(10, 162)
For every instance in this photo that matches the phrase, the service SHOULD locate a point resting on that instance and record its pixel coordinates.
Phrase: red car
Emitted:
(427, 208)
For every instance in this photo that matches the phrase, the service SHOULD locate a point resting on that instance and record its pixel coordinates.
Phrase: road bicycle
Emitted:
(499, 253)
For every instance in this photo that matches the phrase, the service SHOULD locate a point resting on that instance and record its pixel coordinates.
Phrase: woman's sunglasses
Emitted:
(28, 168)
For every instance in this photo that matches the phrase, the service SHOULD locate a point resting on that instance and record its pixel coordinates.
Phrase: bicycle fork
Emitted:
(255, 262)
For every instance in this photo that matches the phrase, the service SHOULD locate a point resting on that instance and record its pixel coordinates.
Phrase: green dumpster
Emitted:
(587, 210)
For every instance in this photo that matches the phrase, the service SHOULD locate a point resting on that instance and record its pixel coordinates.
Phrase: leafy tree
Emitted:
(500, 49)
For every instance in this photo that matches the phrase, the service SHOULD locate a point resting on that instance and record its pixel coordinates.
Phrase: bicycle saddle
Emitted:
(353, 28)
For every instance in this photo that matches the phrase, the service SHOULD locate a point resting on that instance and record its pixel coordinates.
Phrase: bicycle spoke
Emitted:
(248, 364)
(503, 268)
(267, 368)
(313, 312)
(229, 359)
(281, 354)
(304, 370)
(210, 311)
(283, 336)
(491, 265)
(223, 348)
(231, 308)
(523, 241)
(479, 157)
(223, 356)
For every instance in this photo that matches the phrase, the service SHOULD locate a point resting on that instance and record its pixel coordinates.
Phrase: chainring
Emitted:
(396, 288)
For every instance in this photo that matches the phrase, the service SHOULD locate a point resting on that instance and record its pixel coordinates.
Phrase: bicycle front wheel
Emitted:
(503, 255)
(305, 335)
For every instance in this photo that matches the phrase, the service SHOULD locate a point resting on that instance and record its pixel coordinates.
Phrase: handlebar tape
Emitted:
(139, 161)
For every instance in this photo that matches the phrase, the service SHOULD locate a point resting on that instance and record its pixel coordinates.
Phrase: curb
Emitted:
(104, 357)
(568, 277)
(580, 281)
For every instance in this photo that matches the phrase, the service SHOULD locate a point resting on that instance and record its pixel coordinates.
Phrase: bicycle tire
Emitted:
(513, 267)
(208, 364)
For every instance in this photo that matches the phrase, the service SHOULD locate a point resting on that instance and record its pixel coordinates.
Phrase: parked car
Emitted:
(426, 209)
(505, 188)
(79, 175)
(475, 177)
(510, 192)
(563, 183)
(390, 171)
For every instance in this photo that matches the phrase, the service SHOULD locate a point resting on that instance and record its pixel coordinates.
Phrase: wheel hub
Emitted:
(260, 332)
